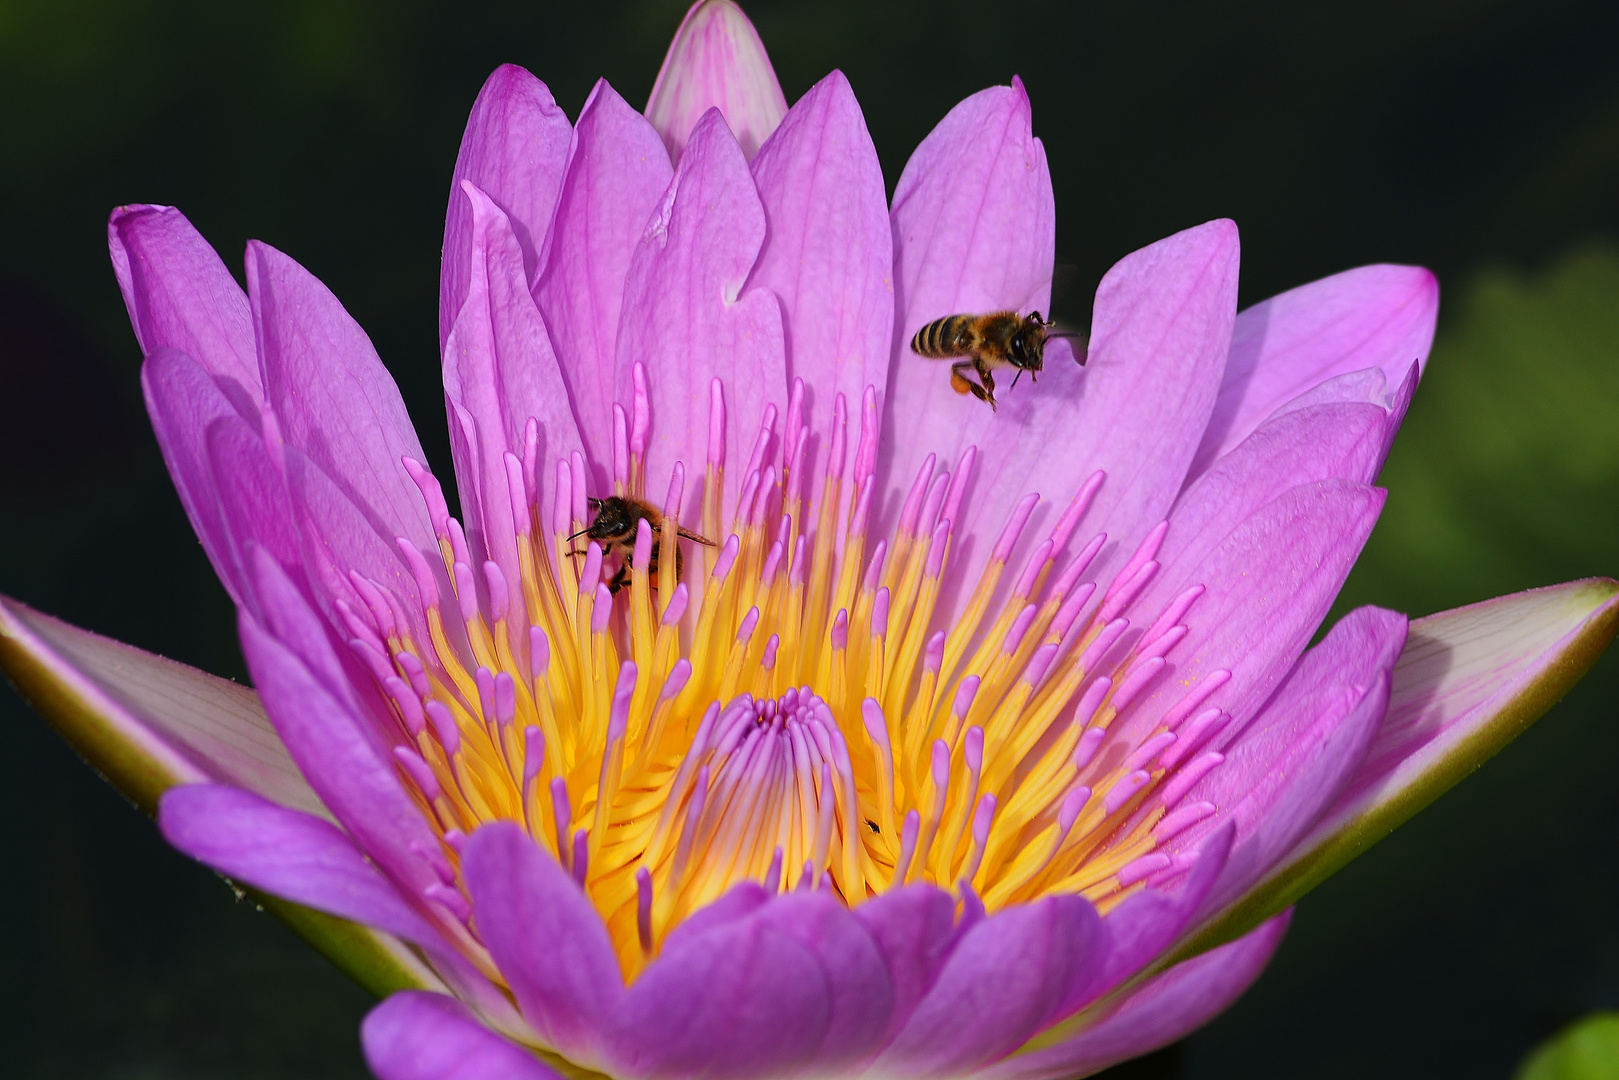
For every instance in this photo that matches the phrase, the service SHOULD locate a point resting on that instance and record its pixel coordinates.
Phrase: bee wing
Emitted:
(1063, 276)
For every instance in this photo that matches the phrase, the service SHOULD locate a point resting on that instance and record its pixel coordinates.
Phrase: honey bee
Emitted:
(1003, 339)
(613, 525)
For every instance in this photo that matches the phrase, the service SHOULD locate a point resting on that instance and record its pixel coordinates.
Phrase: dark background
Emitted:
(1479, 137)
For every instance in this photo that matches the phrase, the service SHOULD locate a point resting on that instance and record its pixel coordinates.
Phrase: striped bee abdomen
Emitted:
(949, 336)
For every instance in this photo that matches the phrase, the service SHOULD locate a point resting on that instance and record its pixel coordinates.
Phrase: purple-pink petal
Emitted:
(716, 61)
(338, 538)
(254, 505)
(183, 400)
(500, 374)
(514, 149)
(1270, 582)
(287, 854)
(828, 254)
(331, 396)
(1283, 769)
(1321, 442)
(861, 997)
(740, 999)
(545, 936)
(1371, 317)
(687, 318)
(1006, 978)
(974, 228)
(180, 296)
(1169, 1007)
(1145, 924)
(337, 751)
(914, 927)
(617, 171)
(416, 1035)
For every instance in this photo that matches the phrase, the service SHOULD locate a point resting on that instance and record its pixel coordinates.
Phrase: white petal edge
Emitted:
(146, 723)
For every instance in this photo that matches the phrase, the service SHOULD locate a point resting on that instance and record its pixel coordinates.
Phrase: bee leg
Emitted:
(988, 382)
(620, 579)
(963, 385)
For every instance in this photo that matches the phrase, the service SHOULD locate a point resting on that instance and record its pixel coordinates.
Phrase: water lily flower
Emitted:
(975, 742)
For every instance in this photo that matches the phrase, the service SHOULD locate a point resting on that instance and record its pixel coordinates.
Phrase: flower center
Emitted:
(807, 725)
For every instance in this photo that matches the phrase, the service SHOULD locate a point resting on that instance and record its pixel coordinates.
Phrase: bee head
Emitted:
(1027, 347)
(614, 519)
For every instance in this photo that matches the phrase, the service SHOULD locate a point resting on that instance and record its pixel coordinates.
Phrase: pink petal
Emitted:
(337, 537)
(1322, 442)
(500, 373)
(828, 255)
(617, 171)
(1284, 769)
(183, 401)
(1142, 928)
(974, 225)
(420, 1036)
(545, 936)
(332, 398)
(1004, 980)
(914, 926)
(337, 751)
(514, 149)
(740, 999)
(288, 854)
(687, 319)
(1270, 582)
(1166, 1009)
(1161, 330)
(716, 61)
(739, 901)
(1372, 317)
(253, 502)
(144, 722)
(181, 297)
(861, 996)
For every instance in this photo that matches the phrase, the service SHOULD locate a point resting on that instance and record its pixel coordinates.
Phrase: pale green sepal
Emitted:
(1481, 675)
(1587, 1049)
(143, 722)
(147, 724)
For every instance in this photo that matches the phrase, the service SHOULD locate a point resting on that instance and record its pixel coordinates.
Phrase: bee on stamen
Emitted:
(614, 523)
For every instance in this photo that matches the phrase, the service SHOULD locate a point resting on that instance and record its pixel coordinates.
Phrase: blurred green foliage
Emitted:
(1587, 1050)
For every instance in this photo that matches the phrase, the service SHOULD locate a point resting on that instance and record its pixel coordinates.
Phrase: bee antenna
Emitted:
(581, 532)
(1018, 376)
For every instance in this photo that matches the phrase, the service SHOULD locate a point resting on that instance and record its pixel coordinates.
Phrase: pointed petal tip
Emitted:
(716, 60)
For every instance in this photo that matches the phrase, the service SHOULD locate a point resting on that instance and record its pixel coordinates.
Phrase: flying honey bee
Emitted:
(1003, 339)
(614, 524)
